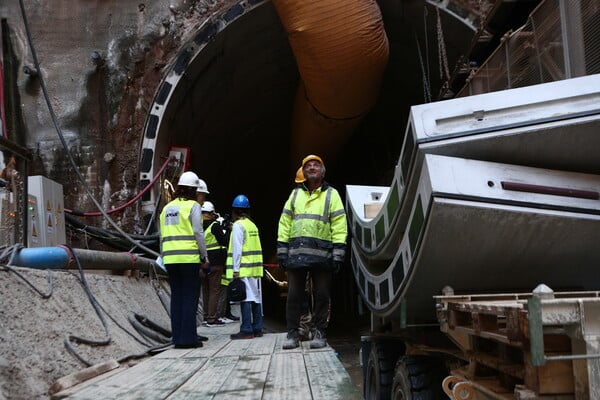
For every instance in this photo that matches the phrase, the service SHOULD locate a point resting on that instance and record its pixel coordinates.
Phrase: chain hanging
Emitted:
(442, 56)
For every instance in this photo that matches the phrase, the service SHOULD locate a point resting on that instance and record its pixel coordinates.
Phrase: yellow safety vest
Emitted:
(251, 264)
(178, 244)
(312, 227)
(210, 239)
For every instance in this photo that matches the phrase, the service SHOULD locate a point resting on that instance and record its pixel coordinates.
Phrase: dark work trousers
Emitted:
(184, 280)
(252, 321)
(211, 291)
(296, 296)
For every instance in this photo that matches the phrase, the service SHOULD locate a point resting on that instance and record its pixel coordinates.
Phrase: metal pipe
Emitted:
(59, 257)
(571, 357)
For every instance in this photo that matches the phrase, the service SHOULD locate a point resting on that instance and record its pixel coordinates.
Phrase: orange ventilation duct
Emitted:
(341, 50)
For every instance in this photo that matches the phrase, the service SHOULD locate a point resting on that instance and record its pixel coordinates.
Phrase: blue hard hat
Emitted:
(240, 201)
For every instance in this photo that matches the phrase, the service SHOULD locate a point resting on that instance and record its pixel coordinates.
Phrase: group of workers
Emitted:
(311, 241)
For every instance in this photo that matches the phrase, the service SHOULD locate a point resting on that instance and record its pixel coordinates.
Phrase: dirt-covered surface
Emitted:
(33, 329)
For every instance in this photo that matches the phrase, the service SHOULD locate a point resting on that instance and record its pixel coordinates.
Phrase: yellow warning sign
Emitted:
(33, 228)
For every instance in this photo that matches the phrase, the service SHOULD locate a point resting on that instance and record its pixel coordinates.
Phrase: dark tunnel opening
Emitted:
(231, 104)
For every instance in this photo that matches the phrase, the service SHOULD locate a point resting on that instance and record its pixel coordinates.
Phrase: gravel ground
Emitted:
(33, 329)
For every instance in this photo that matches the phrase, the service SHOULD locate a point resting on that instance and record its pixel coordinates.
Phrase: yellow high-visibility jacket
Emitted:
(251, 263)
(177, 241)
(312, 228)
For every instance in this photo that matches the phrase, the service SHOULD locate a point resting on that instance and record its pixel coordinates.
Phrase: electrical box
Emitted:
(10, 222)
(33, 225)
(47, 214)
(7, 218)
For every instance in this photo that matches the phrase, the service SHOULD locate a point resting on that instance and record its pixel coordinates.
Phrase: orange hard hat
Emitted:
(310, 158)
(300, 176)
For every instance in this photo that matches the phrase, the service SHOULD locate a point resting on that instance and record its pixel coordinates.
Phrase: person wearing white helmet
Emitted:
(201, 191)
(217, 239)
(183, 250)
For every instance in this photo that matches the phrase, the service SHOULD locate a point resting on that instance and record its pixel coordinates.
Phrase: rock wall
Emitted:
(101, 63)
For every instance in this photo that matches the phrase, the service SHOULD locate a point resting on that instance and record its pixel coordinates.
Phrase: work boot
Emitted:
(319, 340)
(304, 335)
(292, 341)
(242, 335)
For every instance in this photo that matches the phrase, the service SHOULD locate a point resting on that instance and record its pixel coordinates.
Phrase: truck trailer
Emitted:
(479, 262)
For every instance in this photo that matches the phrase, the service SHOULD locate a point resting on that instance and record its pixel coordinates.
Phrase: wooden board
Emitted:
(224, 369)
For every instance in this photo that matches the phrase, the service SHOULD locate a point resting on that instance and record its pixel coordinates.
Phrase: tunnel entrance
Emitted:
(229, 95)
(228, 98)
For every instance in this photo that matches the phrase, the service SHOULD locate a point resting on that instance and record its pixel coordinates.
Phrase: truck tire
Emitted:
(418, 378)
(380, 369)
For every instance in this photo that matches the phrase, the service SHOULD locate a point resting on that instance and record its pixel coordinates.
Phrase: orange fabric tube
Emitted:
(341, 50)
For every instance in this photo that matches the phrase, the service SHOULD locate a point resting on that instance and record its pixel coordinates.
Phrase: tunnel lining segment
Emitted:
(189, 52)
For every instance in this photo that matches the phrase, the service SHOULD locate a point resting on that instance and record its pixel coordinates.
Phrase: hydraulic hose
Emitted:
(149, 329)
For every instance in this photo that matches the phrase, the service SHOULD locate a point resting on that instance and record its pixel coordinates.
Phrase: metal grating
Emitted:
(560, 40)
(591, 35)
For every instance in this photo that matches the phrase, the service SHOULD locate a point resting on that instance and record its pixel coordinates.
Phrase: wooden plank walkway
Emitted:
(224, 369)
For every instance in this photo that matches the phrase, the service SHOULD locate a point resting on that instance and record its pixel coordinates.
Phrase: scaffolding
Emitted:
(560, 40)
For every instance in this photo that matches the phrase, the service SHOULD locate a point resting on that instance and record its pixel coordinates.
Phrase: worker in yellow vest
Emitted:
(245, 262)
(183, 251)
(215, 234)
(311, 238)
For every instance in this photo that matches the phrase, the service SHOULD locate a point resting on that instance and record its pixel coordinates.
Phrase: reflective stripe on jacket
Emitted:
(312, 228)
(251, 264)
(210, 239)
(178, 244)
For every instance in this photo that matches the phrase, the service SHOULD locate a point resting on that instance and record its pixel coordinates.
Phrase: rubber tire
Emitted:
(380, 369)
(419, 378)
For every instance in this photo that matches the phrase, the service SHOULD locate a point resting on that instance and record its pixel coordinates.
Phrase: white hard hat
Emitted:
(208, 207)
(189, 178)
(202, 188)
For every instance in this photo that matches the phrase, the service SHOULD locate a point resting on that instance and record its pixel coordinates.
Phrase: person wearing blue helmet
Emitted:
(245, 262)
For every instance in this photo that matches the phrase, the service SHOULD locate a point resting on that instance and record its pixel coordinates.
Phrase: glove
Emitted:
(283, 264)
(337, 266)
(206, 269)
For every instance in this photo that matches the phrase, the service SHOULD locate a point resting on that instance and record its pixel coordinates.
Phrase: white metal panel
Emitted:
(508, 108)
(50, 211)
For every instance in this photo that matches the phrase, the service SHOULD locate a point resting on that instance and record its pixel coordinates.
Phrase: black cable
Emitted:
(77, 339)
(8, 266)
(151, 351)
(149, 329)
(64, 142)
(109, 236)
(142, 324)
(77, 223)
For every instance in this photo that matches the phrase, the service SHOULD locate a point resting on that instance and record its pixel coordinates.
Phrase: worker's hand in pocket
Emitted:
(205, 266)
(337, 266)
(283, 263)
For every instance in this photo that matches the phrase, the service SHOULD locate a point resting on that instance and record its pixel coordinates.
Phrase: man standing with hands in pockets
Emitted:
(311, 238)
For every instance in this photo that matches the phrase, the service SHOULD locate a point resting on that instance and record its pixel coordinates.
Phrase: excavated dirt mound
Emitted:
(33, 329)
